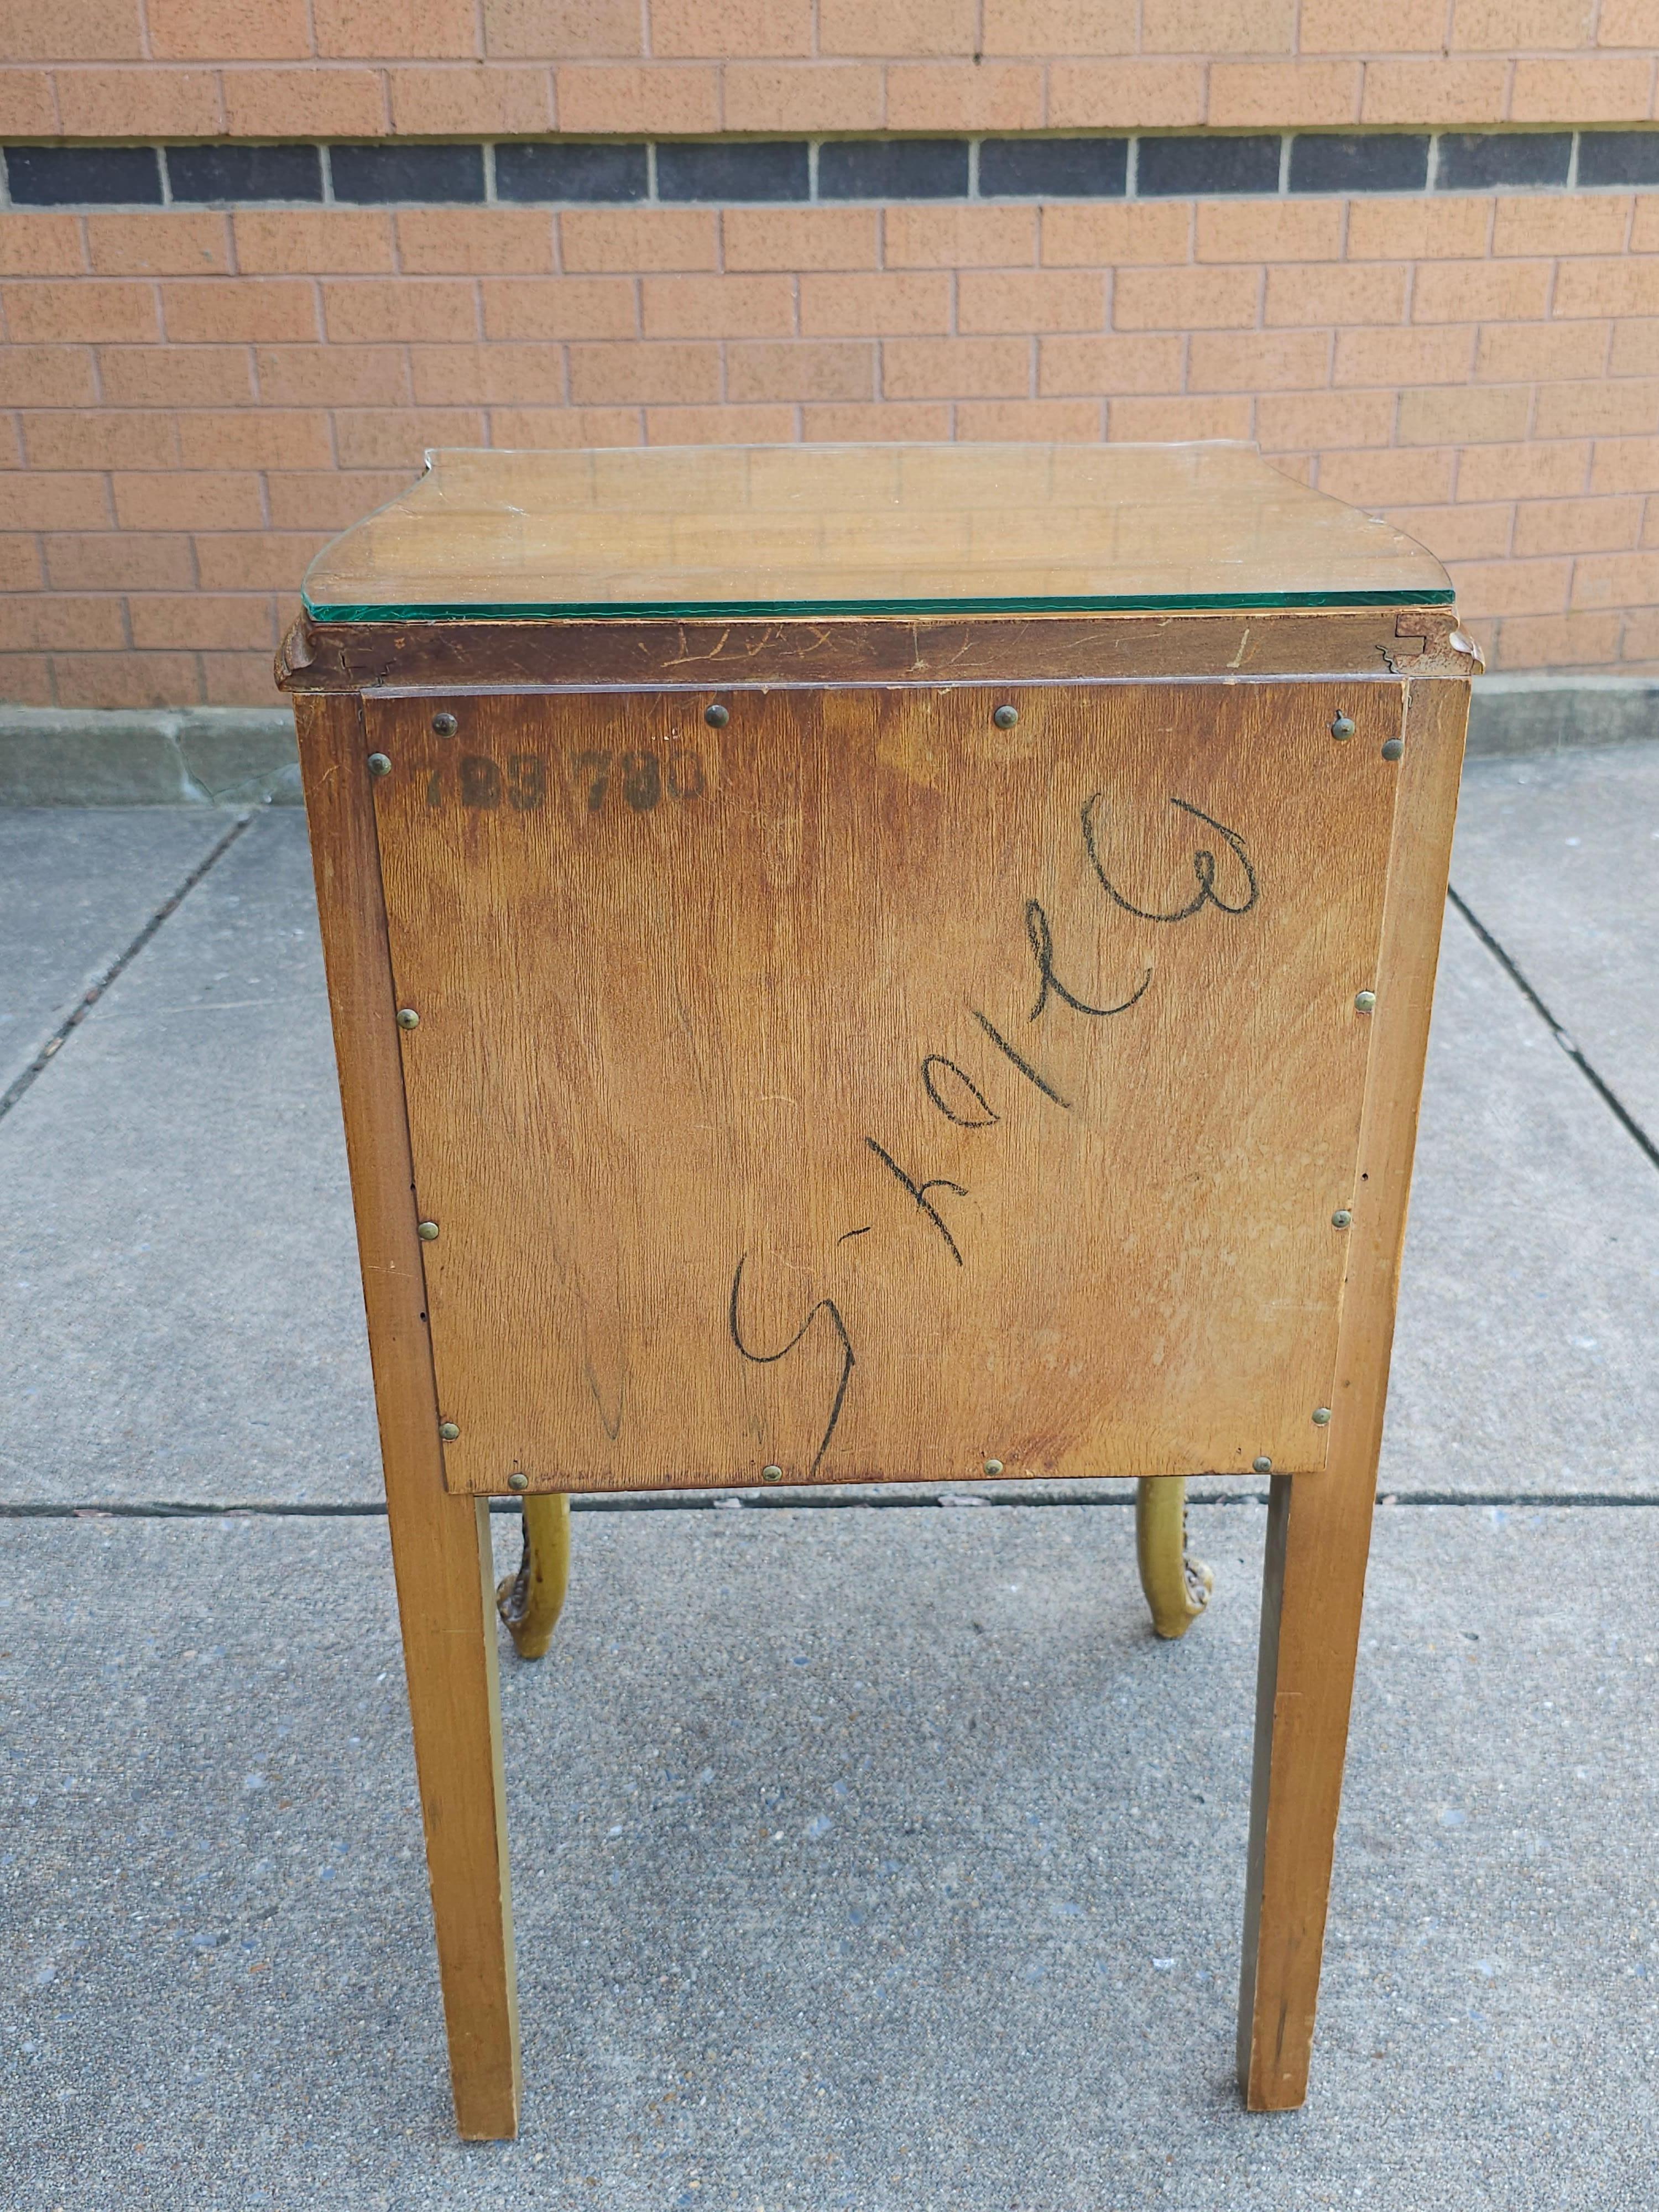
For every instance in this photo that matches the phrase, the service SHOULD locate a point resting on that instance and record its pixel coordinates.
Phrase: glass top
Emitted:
(765, 531)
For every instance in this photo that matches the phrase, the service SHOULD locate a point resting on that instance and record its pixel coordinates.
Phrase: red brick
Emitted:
(811, 97)
(175, 244)
(1426, 92)
(559, 308)
(1217, 27)
(328, 499)
(47, 376)
(1619, 408)
(1578, 525)
(370, 29)
(1316, 297)
(1458, 533)
(176, 376)
(1501, 26)
(871, 26)
(19, 571)
(486, 375)
(126, 679)
(241, 679)
(535, 30)
(149, 101)
(594, 241)
(487, 102)
(1486, 415)
(1185, 298)
(720, 426)
(1153, 232)
(1258, 361)
(41, 245)
(568, 429)
(793, 239)
(1469, 291)
(806, 369)
(1042, 28)
(1108, 366)
(222, 308)
(668, 99)
(1557, 640)
(1511, 352)
(184, 501)
(370, 310)
(306, 242)
(1439, 354)
(1415, 229)
(255, 438)
(99, 438)
(201, 620)
(1625, 464)
(1017, 300)
(677, 373)
(28, 104)
(1064, 422)
(1607, 287)
(1506, 587)
(1529, 471)
(887, 305)
(1269, 231)
(1536, 223)
(332, 376)
(956, 368)
(964, 95)
(227, 30)
(1290, 421)
(73, 31)
(266, 561)
(1143, 421)
(853, 425)
(698, 30)
(960, 237)
(118, 561)
(1611, 580)
(391, 437)
(1583, 88)
(1634, 349)
(1379, 479)
(88, 309)
(1129, 95)
(717, 306)
(55, 620)
(475, 241)
(54, 503)
(1266, 95)
(330, 102)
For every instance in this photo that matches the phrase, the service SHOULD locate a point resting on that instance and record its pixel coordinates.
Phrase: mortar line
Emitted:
(95, 990)
(669, 1502)
(1604, 1090)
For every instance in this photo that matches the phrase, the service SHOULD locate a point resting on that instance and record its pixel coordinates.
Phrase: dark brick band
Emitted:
(618, 172)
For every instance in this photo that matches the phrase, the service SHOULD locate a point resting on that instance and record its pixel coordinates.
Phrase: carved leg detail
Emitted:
(1178, 1587)
(531, 1600)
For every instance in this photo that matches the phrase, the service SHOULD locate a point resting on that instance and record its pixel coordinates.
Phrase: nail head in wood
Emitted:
(408, 1018)
(771, 1475)
(448, 1431)
(993, 1466)
(444, 725)
(518, 1482)
(426, 1231)
(1341, 1218)
(1342, 727)
(1005, 717)
(1322, 1417)
(1365, 1001)
(1263, 1466)
(717, 716)
(1394, 749)
(379, 764)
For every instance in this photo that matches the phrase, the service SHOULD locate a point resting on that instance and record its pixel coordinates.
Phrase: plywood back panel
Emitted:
(866, 1089)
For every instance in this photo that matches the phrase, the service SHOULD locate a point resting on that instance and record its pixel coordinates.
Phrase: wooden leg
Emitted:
(440, 1540)
(1318, 1525)
(446, 1588)
(1318, 1533)
(531, 1600)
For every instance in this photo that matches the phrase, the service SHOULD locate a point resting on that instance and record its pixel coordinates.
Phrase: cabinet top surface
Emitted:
(860, 530)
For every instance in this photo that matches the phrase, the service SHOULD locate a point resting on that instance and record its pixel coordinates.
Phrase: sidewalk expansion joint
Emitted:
(1597, 1082)
(95, 990)
(704, 1502)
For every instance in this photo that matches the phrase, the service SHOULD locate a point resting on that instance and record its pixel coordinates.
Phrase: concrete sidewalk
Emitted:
(876, 1858)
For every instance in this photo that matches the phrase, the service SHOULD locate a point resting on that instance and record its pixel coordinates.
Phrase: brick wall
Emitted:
(1425, 279)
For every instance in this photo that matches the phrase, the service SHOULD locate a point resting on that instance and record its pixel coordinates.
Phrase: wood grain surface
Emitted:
(866, 1090)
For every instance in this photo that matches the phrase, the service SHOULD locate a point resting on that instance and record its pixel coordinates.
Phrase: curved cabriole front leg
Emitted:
(1178, 1587)
(531, 1600)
